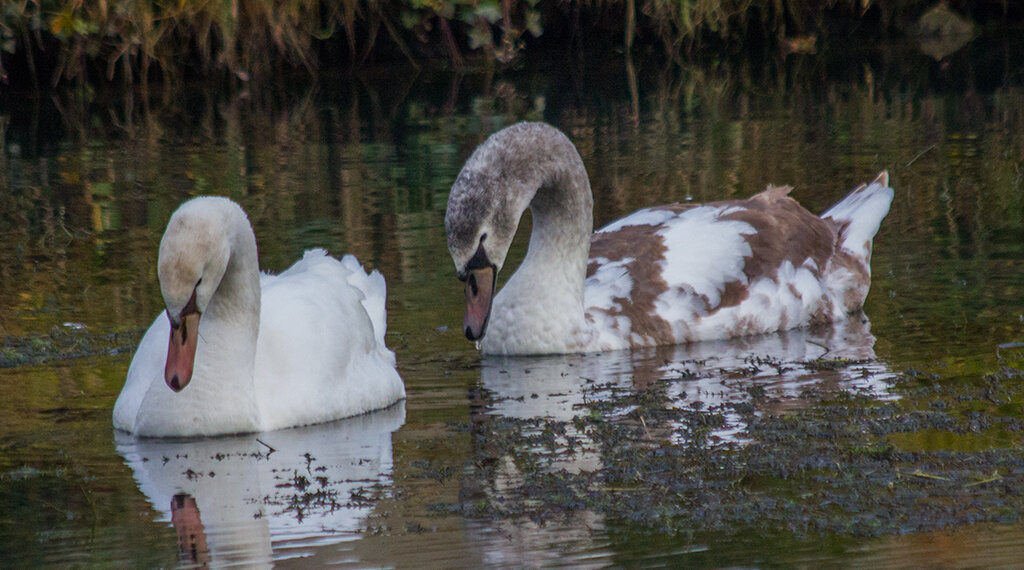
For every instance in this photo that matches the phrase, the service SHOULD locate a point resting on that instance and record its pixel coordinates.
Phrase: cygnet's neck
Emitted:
(540, 308)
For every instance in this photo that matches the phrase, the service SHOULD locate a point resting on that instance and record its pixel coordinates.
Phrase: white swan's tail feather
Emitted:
(860, 214)
(370, 284)
(375, 294)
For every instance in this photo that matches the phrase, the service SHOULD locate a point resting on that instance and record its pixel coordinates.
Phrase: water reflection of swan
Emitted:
(256, 499)
(712, 373)
(559, 387)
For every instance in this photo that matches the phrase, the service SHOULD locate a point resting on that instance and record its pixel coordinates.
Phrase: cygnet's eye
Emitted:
(479, 259)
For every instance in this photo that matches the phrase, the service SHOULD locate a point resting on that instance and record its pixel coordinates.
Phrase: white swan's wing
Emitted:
(320, 356)
(375, 293)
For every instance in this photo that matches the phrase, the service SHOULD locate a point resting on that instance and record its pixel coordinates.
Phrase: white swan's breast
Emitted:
(145, 370)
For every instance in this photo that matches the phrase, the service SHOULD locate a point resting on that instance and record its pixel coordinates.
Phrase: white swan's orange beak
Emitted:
(479, 293)
(181, 350)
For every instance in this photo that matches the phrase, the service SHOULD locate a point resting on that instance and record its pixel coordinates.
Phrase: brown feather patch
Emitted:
(647, 249)
(784, 231)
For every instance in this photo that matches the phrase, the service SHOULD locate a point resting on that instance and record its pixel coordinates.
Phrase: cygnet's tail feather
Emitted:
(859, 215)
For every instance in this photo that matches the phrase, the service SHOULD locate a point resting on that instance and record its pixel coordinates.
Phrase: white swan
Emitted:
(664, 275)
(245, 352)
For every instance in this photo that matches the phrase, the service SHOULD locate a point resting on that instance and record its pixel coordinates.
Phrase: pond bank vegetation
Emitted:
(133, 42)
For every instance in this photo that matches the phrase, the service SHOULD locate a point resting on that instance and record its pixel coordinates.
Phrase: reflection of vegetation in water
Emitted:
(348, 170)
(60, 502)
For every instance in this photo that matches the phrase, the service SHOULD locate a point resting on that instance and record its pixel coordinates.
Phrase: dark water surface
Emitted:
(363, 165)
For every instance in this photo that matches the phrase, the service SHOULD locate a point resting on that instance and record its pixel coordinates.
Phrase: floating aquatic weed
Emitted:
(64, 344)
(840, 465)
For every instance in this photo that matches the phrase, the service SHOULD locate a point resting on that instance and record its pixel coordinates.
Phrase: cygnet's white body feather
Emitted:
(318, 354)
(664, 275)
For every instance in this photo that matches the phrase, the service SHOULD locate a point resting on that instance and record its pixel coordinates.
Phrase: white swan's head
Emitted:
(194, 255)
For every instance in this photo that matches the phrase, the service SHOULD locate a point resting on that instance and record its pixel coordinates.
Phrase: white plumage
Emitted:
(272, 351)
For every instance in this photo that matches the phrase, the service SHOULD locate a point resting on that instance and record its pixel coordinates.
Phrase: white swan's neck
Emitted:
(221, 396)
(540, 308)
(233, 314)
